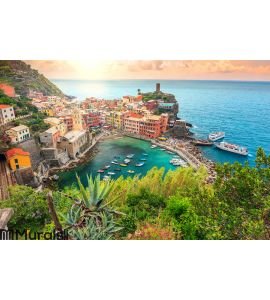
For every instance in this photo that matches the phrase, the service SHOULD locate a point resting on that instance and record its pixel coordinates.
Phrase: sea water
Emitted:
(117, 150)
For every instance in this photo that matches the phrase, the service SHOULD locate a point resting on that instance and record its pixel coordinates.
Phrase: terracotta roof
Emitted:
(16, 151)
(4, 106)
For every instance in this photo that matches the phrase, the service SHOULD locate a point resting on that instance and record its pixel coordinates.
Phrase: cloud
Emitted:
(155, 69)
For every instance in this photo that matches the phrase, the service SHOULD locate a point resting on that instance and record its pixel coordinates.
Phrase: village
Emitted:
(75, 127)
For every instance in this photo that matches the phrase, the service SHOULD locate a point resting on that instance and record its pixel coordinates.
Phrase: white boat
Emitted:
(215, 136)
(126, 161)
(154, 146)
(114, 162)
(232, 148)
(178, 162)
(139, 164)
(130, 155)
(111, 173)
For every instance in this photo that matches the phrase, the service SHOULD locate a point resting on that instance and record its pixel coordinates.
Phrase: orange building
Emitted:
(18, 159)
(150, 126)
(7, 90)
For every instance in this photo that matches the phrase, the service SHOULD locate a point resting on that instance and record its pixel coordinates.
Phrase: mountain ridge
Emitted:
(23, 78)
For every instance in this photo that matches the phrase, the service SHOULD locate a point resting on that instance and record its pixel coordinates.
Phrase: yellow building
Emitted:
(18, 159)
(49, 112)
(59, 124)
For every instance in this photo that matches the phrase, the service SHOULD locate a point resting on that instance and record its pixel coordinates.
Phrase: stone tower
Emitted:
(157, 87)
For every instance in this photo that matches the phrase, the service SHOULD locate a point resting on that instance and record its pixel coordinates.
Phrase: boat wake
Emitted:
(250, 155)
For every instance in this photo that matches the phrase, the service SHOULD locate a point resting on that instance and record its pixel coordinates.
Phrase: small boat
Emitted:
(100, 171)
(139, 164)
(170, 152)
(123, 165)
(145, 154)
(126, 161)
(202, 143)
(111, 173)
(131, 171)
(130, 155)
(232, 148)
(143, 159)
(117, 169)
(107, 167)
(114, 162)
(215, 136)
(106, 178)
(162, 149)
(178, 162)
(153, 146)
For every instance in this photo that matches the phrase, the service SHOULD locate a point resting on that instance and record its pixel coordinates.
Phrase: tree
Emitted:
(30, 208)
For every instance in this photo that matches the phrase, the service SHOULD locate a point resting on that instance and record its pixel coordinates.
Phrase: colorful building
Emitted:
(91, 119)
(6, 113)
(68, 120)
(18, 134)
(58, 123)
(150, 126)
(50, 137)
(18, 159)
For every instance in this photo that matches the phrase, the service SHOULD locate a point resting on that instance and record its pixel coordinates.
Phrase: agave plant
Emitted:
(91, 217)
(93, 197)
(73, 216)
(103, 230)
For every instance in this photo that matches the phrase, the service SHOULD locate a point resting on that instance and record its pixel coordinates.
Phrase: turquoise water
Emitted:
(120, 147)
(241, 109)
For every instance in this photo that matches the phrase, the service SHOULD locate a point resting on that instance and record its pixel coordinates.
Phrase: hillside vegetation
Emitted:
(20, 75)
(175, 205)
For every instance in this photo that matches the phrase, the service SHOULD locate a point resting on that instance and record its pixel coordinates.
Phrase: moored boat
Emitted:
(100, 171)
(126, 161)
(123, 165)
(215, 136)
(139, 164)
(143, 159)
(131, 171)
(130, 155)
(111, 173)
(154, 146)
(232, 148)
(107, 167)
(114, 162)
(145, 154)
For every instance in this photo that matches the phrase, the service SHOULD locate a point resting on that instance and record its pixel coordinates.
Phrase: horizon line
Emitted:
(136, 79)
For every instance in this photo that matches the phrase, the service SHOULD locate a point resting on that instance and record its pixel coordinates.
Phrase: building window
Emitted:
(16, 161)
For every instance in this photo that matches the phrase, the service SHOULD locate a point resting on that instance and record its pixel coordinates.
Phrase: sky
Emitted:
(154, 69)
